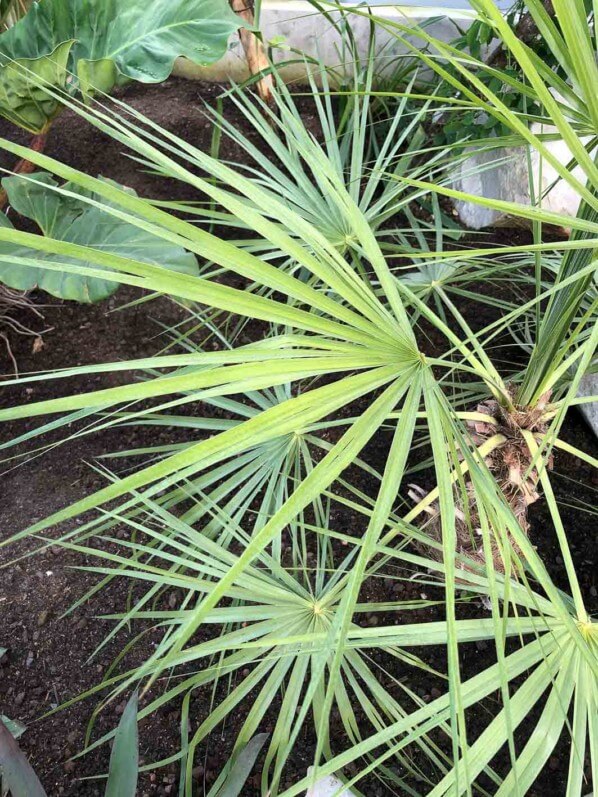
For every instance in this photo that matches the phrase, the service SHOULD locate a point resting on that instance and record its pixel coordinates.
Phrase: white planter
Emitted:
(507, 174)
(307, 31)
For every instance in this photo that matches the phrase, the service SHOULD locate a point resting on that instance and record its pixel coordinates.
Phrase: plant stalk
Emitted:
(254, 49)
(24, 166)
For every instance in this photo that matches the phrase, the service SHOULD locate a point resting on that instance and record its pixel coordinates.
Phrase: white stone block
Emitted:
(494, 174)
(507, 174)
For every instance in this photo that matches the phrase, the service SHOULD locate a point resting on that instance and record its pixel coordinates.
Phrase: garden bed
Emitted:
(47, 663)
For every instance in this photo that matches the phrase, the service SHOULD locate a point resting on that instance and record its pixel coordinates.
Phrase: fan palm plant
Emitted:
(345, 332)
(570, 109)
(273, 631)
(349, 150)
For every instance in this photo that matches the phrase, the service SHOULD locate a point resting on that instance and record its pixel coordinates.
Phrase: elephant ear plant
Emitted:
(66, 216)
(83, 46)
(78, 48)
(262, 631)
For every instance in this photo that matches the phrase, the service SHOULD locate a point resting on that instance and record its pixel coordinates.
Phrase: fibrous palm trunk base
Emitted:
(511, 465)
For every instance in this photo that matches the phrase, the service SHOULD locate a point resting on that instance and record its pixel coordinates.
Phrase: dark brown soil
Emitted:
(48, 659)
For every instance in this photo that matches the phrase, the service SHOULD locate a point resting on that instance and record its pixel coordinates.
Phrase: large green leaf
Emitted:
(24, 98)
(103, 42)
(68, 217)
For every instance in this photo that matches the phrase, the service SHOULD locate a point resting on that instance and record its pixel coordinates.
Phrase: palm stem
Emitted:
(255, 53)
(24, 166)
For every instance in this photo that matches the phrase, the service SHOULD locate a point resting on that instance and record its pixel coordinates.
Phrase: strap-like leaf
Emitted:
(17, 772)
(242, 766)
(124, 759)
